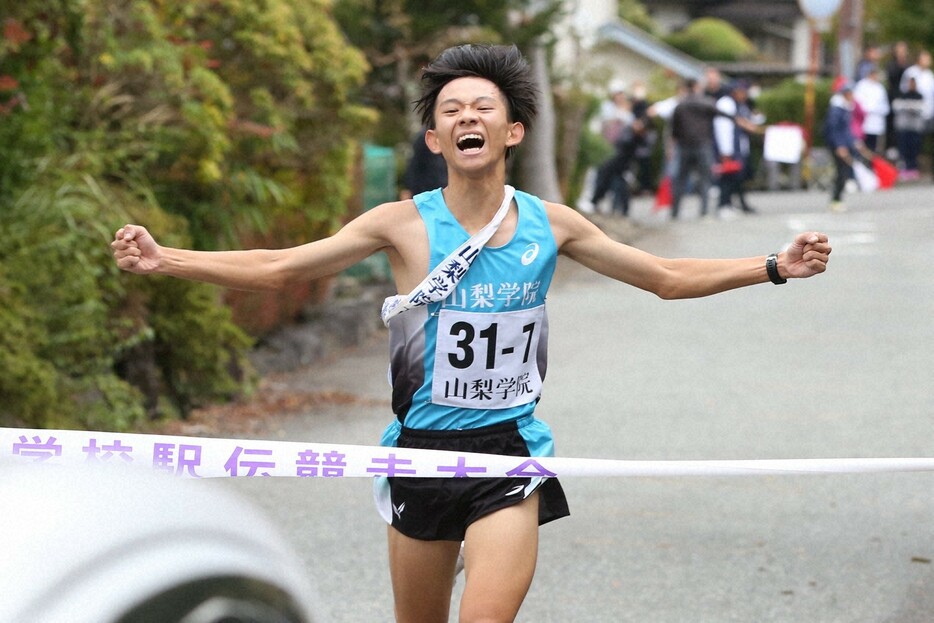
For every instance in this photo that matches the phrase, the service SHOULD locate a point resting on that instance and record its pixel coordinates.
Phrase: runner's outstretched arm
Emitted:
(135, 250)
(584, 242)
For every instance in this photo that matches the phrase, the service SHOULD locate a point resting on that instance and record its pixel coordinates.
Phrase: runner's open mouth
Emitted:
(470, 142)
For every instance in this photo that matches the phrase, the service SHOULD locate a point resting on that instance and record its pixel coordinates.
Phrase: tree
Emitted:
(538, 167)
(400, 36)
(907, 20)
(635, 13)
(215, 123)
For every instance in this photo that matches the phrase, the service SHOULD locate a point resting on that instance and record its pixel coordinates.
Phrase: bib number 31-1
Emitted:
(487, 361)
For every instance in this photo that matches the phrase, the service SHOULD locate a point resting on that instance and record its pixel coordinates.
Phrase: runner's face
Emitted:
(472, 126)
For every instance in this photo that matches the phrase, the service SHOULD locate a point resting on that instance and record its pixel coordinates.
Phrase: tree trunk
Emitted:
(538, 172)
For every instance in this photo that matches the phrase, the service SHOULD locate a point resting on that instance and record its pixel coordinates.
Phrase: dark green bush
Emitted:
(28, 382)
(786, 101)
(208, 121)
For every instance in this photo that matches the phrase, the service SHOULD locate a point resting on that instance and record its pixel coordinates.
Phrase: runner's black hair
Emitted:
(503, 65)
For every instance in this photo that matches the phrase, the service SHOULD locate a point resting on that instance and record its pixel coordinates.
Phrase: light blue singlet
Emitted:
(478, 357)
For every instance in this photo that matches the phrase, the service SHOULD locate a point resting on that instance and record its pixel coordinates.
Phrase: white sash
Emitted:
(441, 281)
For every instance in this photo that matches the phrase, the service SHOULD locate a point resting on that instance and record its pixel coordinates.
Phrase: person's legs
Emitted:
(621, 196)
(500, 553)
(705, 176)
(422, 575)
(840, 178)
(746, 174)
(604, 180)
(901, 138)
(729, 183)
(609, 176)
(679, 181)
(914, 150)
(646, 173)
(843, 174)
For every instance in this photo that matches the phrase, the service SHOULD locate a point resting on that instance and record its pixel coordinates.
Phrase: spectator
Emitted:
(664, 110)
(894, 70)
(645, 170)
(871, 56)
(909, 129)
(871, 96)
(615, 113)
(612, 173)
(714, 86)
(732, 130)
(692, 132)
(838, 134)
(615, 119)
(924, 83)
(426, 170)
(857, 116)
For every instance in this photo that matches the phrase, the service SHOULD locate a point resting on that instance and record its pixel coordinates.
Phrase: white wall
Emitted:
(577, 31)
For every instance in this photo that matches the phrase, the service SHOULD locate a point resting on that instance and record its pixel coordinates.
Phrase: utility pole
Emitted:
(849, 37)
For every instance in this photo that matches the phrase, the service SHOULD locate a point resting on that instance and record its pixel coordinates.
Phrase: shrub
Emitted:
(209, 121)
(712, 39)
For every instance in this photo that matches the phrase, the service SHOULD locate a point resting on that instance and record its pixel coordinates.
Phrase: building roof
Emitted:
(646, 45)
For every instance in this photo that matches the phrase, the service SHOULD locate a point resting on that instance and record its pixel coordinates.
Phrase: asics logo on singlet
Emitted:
(531, 252)
(398, 510)
(516, 490)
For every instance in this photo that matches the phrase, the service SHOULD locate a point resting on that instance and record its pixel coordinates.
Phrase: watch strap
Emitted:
(771, 267)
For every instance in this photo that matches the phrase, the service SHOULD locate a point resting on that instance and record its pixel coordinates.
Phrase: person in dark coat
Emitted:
(425, 170)
(612, 173)
(838, 134)
(692, 132)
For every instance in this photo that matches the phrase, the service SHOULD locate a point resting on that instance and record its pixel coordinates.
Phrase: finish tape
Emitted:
(197, 457)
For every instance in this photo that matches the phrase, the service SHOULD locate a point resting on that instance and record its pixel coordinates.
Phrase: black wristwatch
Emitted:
(771, 267)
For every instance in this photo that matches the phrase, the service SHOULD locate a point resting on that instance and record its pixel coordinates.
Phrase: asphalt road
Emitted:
(836, 366)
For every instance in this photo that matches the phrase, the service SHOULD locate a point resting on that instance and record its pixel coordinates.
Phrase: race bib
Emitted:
(487, 361)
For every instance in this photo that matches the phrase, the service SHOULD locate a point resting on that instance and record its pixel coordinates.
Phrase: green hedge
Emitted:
(785, 102)
(208, 121)
(712, 39)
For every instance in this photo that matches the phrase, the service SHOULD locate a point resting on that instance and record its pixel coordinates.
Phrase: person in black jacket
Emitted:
(612, 173)
(425, 170)
(894, 70)
(692, 132)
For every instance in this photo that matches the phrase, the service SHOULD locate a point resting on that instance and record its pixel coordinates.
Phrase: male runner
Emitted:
(467, 370)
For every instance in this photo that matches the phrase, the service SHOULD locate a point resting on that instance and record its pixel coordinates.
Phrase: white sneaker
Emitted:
(837, 206)
(586, 206)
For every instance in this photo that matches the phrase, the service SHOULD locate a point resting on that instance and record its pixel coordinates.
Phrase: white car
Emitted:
(91, 546)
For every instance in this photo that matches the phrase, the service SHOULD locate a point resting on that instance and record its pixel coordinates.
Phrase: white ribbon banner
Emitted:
(197, 457)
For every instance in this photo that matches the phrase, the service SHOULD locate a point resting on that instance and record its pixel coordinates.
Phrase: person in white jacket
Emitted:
(871, 95)
(924, 81)
(732, 129)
